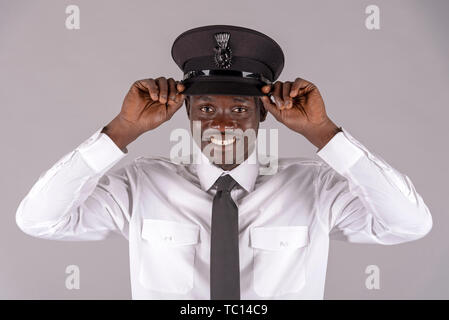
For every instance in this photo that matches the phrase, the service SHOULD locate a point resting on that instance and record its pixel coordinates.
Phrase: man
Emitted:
(217, 229)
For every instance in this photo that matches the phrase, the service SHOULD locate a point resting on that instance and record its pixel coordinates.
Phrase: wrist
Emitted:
(121, 132)
(320, 135)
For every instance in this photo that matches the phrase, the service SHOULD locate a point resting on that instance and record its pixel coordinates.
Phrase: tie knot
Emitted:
(225, 183)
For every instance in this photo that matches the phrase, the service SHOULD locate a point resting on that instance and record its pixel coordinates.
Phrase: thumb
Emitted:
(179, 86)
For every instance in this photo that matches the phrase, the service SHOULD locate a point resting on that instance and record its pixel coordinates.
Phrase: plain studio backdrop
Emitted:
(387, 87)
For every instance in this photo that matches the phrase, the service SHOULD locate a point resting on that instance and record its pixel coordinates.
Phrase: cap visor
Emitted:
(216, 86)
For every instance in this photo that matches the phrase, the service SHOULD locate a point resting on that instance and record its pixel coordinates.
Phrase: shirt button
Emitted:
(168, 238)
(283, 244)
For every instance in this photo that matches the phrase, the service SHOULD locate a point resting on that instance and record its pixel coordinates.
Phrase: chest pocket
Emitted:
(168, 255)
(279, 259)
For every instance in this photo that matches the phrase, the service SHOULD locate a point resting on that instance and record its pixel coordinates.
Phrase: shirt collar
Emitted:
(245, 173)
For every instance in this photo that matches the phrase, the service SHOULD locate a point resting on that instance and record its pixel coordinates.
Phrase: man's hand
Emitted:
(148, 104)
(300, 107)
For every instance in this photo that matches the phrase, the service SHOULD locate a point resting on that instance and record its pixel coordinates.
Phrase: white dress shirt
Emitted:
(164, 210)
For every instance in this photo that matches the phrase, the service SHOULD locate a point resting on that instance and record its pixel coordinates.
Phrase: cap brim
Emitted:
(235, 86)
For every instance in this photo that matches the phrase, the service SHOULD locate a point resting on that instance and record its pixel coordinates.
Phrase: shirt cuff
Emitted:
(341, 152)
(100, 152)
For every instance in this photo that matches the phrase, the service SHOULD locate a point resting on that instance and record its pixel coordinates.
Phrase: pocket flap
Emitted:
(170, 233)
(279, 238)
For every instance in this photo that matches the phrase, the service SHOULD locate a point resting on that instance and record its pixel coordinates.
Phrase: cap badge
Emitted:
(223, 53)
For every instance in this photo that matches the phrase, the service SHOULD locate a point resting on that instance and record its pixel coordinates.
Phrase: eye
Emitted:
(240, 109)
(207, 109)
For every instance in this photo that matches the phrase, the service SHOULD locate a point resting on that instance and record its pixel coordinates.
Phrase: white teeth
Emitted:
(222, 142)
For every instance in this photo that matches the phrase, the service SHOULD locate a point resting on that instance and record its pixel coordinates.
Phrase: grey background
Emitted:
(388, 88)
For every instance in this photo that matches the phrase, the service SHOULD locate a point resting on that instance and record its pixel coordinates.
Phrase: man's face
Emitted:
(229, 113)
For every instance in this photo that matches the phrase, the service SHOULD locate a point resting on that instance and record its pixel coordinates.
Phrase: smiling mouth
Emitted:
(222, 142)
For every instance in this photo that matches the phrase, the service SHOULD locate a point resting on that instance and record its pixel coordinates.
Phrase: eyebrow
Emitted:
(240, 99)
(206, 98)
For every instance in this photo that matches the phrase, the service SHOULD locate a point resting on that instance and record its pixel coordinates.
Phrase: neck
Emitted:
(227, 167)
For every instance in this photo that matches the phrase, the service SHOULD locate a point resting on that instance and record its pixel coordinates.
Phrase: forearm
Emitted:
(392, 209)
(67, 183)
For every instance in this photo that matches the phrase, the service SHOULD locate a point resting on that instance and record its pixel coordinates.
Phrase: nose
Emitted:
(223, 124)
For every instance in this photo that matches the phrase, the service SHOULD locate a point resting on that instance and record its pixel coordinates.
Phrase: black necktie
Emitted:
(224, 253)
